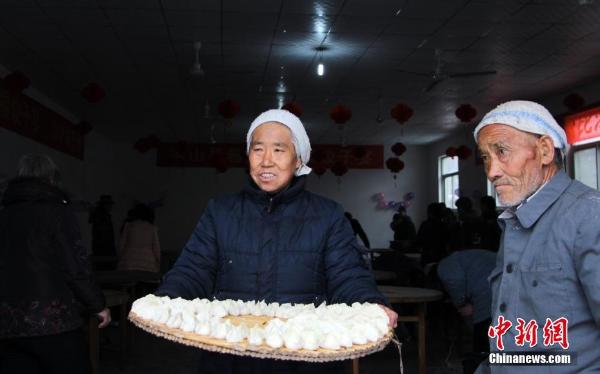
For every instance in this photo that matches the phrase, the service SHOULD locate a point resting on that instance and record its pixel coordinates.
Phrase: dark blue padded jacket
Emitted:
(292, 247)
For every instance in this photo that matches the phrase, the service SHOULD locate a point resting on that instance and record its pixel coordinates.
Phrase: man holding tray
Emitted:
(273, 241)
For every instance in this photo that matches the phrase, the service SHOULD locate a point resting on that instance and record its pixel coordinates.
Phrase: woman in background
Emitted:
(45, 276)
(140, 248)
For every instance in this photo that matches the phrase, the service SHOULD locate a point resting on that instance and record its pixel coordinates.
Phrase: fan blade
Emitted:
(472, 74)
(428, 75)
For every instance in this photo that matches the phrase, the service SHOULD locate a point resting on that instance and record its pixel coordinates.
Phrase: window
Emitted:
(491, 191)
(448, 180)
(585, 165)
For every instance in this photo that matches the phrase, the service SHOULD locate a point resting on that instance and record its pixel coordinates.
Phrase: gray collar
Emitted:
(531, 210)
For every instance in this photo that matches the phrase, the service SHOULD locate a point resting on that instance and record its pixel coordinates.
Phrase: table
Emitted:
(420, 297)
(126, 280)
(113, 298)
(382, 275)
(413, 256)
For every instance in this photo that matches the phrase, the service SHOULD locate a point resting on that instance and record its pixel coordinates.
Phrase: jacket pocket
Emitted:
(543, 292)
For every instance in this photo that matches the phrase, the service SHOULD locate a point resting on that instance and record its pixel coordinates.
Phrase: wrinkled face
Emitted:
(272, 157)
(512, 161)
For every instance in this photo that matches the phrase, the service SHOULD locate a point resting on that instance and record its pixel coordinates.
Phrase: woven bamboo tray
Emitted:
(262, 351)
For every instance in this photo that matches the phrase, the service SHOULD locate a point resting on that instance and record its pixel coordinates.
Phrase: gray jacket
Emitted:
(548, 266)
(464, 276)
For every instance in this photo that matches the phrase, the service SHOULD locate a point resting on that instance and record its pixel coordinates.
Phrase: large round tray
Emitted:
(262, 351)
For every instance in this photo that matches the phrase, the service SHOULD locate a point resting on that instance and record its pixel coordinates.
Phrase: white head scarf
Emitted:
(299, 136)
(526, 116)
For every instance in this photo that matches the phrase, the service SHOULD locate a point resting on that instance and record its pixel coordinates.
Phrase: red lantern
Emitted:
(339, 168)
(451, 152)
(84, 127)
(398, 149)
(394, 164)
(93, 93)
(463, 152)
(465, 113)
(319, 169)
(229, 108)
(16, 82)
(340, 114)
(573, 101)
(294, 108)
(401, 113)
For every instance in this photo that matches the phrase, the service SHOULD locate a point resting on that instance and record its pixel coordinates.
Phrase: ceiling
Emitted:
(263, 53)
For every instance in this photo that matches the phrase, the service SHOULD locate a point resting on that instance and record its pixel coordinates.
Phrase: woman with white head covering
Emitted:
(273, 241)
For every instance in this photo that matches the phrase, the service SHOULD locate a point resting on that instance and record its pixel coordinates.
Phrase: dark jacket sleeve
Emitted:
(193, 274)
(348, 278)
(75, 262)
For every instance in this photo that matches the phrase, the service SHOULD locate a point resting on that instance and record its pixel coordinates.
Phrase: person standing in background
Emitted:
(45, 276)
(140, 247)
(103, 236)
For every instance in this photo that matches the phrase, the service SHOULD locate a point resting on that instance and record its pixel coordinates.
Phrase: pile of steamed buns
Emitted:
(299, 326)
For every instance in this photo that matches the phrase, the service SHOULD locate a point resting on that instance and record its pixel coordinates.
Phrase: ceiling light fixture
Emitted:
(320, 65)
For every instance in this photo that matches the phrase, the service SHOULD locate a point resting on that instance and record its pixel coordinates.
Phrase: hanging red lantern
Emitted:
(229, 108)
(398, 149)
(394, 164)
(16, 82)
(84, 127)
(401, 113)
(451, 152)
(463, 152)
(339, 168)
(359, 152)
(294, 108)
(319, 169)
(573, 101)
(93, 93)
(465, 113)
(340, 114)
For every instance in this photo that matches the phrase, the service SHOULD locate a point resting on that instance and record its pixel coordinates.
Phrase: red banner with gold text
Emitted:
(27, 117)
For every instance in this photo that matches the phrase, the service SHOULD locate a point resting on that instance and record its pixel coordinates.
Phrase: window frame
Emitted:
(442, 179)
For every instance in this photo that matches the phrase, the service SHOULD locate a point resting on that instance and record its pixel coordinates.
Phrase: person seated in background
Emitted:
(358, 230)
(432, 236)
(469, 223)
(45, 276)
(139, 247)
(464, 276)
(273, 241)
(404, 230)
(490, 229)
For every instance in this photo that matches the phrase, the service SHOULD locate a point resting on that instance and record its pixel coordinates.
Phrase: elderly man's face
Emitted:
(512, 161)
(272, 157)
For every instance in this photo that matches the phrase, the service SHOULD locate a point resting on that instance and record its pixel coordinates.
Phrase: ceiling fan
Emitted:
(439, 74)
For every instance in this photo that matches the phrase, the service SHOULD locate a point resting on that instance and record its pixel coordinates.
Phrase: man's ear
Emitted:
(298, 163)
(546, 148)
